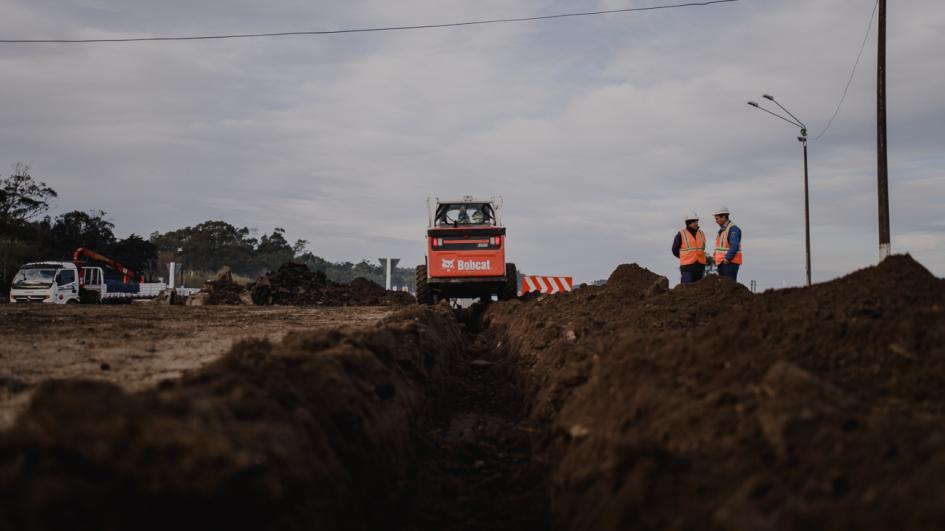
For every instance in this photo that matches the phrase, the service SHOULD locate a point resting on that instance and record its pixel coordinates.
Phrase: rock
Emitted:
(798, 405)
(578, 431)
(198, 299)
(225, 274)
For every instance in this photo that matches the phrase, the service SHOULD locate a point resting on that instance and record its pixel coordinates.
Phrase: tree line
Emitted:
(27, 234)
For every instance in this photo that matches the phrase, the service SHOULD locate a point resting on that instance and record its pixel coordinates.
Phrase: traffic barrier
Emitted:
(543, 284)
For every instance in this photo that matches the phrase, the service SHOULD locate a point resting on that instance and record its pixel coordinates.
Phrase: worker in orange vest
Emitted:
(689, 247)
(728, 245)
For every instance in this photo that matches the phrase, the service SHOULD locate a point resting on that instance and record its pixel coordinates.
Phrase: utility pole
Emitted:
(882, 175)
(803, 139)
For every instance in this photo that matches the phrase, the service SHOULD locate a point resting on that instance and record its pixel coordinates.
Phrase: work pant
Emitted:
(729, 270)
(688, 277)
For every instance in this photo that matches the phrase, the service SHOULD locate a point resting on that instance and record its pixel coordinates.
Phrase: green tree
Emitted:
(208, 246)
(69, 231)
(273, 250)
(137, 253)
(22, 198)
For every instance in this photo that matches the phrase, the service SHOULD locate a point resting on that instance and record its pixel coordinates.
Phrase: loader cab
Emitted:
(463, 214)
(466, 252)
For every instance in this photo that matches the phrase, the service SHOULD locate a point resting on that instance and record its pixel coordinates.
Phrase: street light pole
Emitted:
(803, 140)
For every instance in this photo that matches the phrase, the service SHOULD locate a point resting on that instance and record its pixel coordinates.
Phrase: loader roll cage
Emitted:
(456, 214)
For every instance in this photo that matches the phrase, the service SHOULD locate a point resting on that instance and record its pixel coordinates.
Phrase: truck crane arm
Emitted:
(110, 263)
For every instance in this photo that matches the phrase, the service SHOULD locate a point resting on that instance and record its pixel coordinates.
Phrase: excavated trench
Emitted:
(477, 465)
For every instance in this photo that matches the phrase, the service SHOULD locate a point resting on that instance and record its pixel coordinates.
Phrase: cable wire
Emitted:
(365, 30)
(836, 111)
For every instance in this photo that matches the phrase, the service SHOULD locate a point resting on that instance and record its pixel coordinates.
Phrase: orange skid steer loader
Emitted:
(465, 258)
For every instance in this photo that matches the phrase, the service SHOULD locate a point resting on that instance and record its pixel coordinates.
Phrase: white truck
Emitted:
(67, 283)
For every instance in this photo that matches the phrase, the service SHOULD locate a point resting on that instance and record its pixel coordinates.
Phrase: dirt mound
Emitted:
(707, 407)
(316, 432)
(295, 284)
(224, 292)
(221, 290)
(631, 278)
(359, 291)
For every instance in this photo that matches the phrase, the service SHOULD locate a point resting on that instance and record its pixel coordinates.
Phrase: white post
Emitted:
(388, 274)
(172, 276)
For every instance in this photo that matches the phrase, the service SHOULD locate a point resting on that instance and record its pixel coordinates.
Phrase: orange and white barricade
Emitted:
(544, 284)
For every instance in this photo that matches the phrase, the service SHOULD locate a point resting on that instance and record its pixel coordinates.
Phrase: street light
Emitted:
(803, 140)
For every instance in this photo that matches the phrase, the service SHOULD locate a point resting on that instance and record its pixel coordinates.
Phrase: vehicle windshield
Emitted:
(38, 276)
(464, 214)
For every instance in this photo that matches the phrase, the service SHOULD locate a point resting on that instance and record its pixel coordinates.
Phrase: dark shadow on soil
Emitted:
(476, 468)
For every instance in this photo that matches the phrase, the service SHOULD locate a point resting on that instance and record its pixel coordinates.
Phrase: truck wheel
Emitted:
(510, 290)
(424, 293)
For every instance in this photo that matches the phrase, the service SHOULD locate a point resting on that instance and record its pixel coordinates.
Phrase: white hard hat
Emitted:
(722, 210)
(691, 216)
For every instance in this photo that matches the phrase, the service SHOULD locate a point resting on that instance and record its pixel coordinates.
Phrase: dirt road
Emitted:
(138, 345)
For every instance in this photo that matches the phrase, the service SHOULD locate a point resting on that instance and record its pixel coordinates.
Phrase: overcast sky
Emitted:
(599, 132)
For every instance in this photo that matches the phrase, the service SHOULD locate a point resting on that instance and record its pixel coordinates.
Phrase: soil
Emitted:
(295, 284)
(476, 468)
(139, 345)
(625, 406)
(224, 291)
(314, 432)
(707, 407)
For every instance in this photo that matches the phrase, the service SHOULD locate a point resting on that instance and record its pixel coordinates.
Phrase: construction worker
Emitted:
(477, 217)
(728, 245)
(463, 216)
(689, 247)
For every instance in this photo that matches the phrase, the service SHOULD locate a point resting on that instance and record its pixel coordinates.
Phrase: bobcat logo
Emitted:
(447, 264)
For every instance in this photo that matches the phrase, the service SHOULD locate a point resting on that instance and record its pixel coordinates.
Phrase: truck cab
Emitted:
(49, 282)
(466, 252)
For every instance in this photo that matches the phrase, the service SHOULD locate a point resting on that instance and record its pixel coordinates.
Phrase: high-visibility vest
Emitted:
(722, 247)
(691, 248)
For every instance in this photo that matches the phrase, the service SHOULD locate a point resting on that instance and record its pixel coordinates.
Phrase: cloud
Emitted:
(599, 132)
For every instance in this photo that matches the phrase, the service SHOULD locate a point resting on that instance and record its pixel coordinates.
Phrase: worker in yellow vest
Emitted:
(728, 245)
(689, 247)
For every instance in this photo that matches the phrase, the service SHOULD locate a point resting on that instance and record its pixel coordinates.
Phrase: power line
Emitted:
(836, 111)
(365, 30)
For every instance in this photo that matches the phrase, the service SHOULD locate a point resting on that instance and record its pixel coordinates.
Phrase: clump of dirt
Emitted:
(295, 284)
(316, 432)
(221, 290)
(707, 407)
(224, 292)
(631, 278)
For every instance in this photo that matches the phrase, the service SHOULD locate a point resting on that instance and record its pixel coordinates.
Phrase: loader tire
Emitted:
(510, 290)
(424, 293)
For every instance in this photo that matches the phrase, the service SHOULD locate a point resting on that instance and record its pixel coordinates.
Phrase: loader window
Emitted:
(448, 215)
